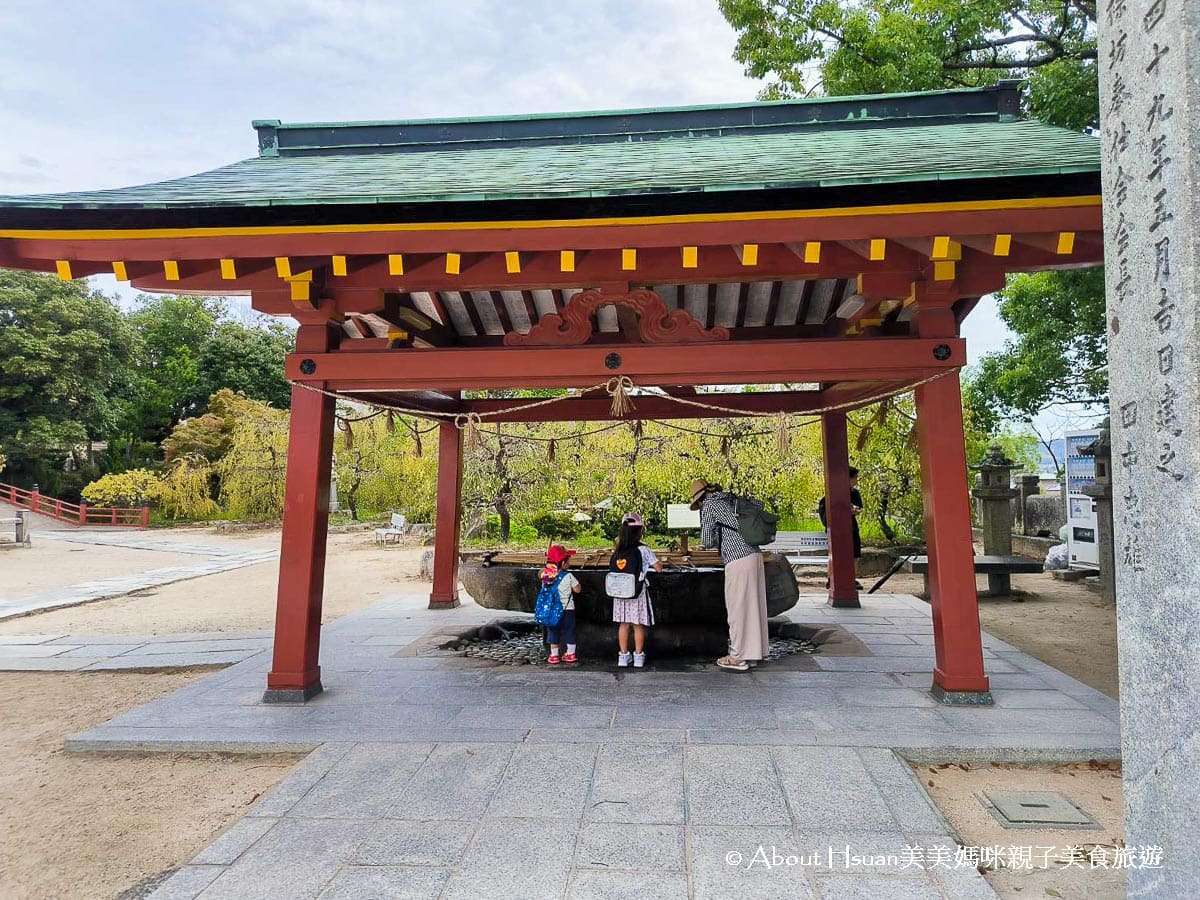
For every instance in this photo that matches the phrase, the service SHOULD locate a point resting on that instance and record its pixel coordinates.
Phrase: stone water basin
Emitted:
(689, 602)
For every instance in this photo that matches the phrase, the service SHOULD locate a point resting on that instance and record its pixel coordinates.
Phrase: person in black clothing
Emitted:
(856, 506)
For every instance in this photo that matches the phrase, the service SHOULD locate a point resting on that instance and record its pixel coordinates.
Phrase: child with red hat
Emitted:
(558, 560)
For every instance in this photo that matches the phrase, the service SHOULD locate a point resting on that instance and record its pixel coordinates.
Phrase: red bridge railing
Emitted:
(74, 513)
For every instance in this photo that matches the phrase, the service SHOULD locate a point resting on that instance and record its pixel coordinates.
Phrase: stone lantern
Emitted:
(1030, 486)
(994, 491)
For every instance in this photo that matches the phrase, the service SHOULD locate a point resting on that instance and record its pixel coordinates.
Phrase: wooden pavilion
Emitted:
(833, 242)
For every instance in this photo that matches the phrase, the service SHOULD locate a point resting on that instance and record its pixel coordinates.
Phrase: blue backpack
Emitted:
(549, 609)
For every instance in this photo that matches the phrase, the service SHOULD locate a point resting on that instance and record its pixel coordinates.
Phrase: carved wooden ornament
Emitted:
(656, 323)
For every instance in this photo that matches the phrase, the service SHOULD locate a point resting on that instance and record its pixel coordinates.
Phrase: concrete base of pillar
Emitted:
(845, 603)
(292, 695)
(452, 603)
(961, 698)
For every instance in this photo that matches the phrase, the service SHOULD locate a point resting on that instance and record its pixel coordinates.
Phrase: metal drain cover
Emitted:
(1036, 809)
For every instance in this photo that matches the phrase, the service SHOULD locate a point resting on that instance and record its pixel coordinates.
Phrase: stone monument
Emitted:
(1149, 64)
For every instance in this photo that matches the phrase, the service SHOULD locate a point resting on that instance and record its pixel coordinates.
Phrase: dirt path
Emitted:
(1061, 623)
(1066, 625)
(358, 573)
(91, 825)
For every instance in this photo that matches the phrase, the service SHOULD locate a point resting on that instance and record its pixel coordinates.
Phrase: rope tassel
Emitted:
(390, 423)
(550, 452)
(347, 434)
(470, 423)
(783, 437)
(619, 388)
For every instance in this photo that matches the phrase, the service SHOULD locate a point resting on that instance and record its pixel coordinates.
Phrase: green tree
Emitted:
(253, 470)
(172, 330)
(65, 370)
(1060, 354)
(247, 360)
(208, 436)
(841, 47)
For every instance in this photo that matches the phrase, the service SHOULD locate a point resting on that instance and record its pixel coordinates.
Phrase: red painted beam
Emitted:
(655, 266)
(763, 362)
(440, 238)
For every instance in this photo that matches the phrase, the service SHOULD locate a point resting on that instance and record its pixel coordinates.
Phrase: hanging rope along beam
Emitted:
(620, 389)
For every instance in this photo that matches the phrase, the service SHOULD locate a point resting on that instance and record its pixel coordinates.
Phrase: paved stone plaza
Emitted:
(430, 780)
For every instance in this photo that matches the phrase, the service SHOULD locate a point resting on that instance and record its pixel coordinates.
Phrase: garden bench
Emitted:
(802, 548)
(397, 529)
(986, 565)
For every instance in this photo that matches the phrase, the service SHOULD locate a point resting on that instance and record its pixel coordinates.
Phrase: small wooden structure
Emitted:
(834, 243)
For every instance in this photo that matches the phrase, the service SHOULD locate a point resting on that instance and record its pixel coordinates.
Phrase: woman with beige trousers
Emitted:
(745, 577)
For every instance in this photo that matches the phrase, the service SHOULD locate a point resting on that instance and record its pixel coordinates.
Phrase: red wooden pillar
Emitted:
(958, 676)
(449, 518)
(295, 674)
(840, 521)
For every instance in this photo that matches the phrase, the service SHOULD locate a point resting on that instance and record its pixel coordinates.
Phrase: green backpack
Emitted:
(756, 526)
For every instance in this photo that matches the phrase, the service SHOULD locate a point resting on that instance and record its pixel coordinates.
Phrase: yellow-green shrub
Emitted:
(132, 488)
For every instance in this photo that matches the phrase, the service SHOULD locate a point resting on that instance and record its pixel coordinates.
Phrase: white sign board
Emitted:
(681, 515)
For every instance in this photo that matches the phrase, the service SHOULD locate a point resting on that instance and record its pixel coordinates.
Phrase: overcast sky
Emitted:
(108, 93)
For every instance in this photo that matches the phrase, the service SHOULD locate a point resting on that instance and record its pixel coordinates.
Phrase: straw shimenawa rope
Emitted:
(620, 389)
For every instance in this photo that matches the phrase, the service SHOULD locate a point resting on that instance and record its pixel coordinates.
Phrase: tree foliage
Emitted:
(247, 360)
(125, 489)
(1060, 355)
(65, 355)
(841, 47)
(172, 331)
(77, 370)
(253, 470)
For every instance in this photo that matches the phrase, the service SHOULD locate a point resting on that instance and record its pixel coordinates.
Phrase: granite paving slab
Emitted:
(381, 697)
(115, 652)
(433, 780)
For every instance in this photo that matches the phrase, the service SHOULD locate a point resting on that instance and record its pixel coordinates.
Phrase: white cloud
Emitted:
(124, 92)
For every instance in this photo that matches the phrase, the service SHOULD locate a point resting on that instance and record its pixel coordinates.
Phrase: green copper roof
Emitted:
(741, 147)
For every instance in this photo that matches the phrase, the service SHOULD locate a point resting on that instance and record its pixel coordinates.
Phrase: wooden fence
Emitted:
(74, 513)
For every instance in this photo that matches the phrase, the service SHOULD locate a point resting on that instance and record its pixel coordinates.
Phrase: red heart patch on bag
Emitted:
(621, 564)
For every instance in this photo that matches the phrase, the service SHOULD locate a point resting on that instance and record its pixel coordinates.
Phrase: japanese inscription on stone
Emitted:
(1143, 149)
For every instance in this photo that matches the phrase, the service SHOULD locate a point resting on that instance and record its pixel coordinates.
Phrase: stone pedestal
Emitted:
(1150, 103)
(995, 497)
(1101, 492)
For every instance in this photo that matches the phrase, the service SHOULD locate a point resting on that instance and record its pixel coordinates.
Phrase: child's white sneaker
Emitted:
(639, 660)
(623, 659)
